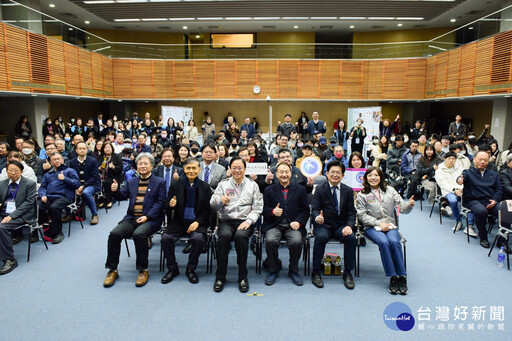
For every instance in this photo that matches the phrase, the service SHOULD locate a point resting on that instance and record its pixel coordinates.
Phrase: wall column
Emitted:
(501, 122)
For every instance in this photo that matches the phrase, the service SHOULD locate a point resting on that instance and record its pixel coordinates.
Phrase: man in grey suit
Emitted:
(211, 172)
(18, 197)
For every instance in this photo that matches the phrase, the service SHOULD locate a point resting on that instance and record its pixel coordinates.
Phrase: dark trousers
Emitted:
(414, 180)
(6, 248)
(54, 208)
(196, 241)
(294, 240)
(107, 184)
(227, 233)
(480, 211)
(126, 229)
(322, 236)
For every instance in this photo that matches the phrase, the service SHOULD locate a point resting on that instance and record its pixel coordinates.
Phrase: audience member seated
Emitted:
(143, 218)
(298, 178)
(338, 155)
(505, 175)
(376, 209)
(4, 147)
(395, 153)
(90, 183)
(27, 171)
(286, 212)
(188, 214)
(462, 160)
(307, 151)
(409, 167)
(427, 166)
(212, 173)
(56, 192)
(111, 168)
(18, 198)
(335, 218)
(239, 204)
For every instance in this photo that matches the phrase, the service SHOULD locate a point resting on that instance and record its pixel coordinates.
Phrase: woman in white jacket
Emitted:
(190, 131)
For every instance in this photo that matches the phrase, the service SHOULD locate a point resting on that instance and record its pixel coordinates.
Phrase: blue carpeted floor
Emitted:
(59, 294)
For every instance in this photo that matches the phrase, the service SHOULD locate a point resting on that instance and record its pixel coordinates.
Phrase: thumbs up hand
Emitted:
(277, 211)
(61, 176)
(172, 203)
(460, 180)
(320, 218)
(114, 186)
(175, 176)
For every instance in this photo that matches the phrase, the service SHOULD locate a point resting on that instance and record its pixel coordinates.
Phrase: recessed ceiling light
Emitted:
(295, 18)
(52, 5)
(34, 95)
(381, 18)
(123, 20)
(69, 28)
(399, 25)
(211, 19)
(185, 27)
(99, 2)
(197, 36)
(87, 22)
(470, 27)
(119, 100)
(182, 19)
(352, 18)
(453, 20)
(295, 26)
(409, 18)
(351, 26)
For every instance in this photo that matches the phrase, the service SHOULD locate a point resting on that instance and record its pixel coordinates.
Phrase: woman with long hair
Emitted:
(376, 207)
(356, 160)
(190, 131)
(223, 156)
(341, 134)
(183, 154)
(23, 128)
(427, 166)
(111, 168)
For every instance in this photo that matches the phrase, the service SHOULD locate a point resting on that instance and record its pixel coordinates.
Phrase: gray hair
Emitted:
(146, 155)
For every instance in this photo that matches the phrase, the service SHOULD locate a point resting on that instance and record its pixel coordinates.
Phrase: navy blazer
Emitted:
(295, 207)
(202, 208)
(160, 171)
(323, 201)
(91, 173)
(154, 200)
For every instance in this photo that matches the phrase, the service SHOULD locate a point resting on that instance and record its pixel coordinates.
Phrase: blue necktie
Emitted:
(167, 178)
(206, 174)
(335, 196)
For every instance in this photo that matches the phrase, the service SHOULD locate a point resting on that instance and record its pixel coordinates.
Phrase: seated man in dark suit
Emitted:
(335, 217)
(18, 198)
(286, 212)
(90, 183)
(143, 218)
(57, 191)
(167, 170)
(188, 214)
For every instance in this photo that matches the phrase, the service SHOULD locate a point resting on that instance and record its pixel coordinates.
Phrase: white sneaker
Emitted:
(448, 211)
(472, 232)
(457, 227)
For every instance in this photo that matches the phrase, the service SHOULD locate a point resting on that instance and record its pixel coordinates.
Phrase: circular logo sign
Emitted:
(311, 167)
(398, 316)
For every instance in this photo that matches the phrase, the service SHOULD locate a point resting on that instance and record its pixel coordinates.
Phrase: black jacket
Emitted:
(505, 176)
(323, 201)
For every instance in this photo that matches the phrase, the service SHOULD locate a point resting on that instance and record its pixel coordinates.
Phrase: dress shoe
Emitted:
(296, 279)
(243, 285)
(393, 285)
(484, 243)
(58, 238)
(66, 218)
(218, 285)
(95, 219)
(112, 275)
(271, 278)
(100, 205)
(8, 266)
(192, 277)
(471, 230)
(187, 248)
(316, 279)
(402, 285)
(17, 239)
(150, 243)
(506, 248)
(170, 275)
(142, 279)
(34, 237)
(109, 205)
(348, 280)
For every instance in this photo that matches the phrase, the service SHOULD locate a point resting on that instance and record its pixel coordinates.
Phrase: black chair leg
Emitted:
(467, 221)
(28, 252)
(42, 237)
(492, 246)
(432, 209)
(405, 258)
(127, 249)
(440, 214)
(69, 229)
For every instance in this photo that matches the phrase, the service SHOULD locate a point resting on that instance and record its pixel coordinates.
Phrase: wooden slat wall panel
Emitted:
(416, 74)
(246, 78)
(141, 79)
(483, 65)
(375, 75)
(162, 79)
(501, 59)
(441, 73)
(351, 79)
(85, 70)
(17, 56)
(205, 79)
(267, 77)
(393, 82)
(184, 82)
(121, 78)
(288, 78)
(71, 63)
(430, 77)
(452, 79)
(107, 77)
(38, 53)
(309, 80)
(225, 79)
(467, 69)
(329, 79)
(4, 75)
(97, 73)
(57, 65)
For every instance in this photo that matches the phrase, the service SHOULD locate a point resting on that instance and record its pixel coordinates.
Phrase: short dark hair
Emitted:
(450, 154)
(208, 145)
(283, 150)
(399, 137)
(243, 149)
(189, 160)
(415, 141)
(16, 163)
(168, 150)
(288, 115)
(336, 163)
(283, 164)
(235, 158)
(454, 146)
(76, 145)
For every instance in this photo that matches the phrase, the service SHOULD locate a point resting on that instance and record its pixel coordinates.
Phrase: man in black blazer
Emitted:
(285, 212)
(87, 169)
(18, 198)
(188, 214)
(167, 170)
(335, 218)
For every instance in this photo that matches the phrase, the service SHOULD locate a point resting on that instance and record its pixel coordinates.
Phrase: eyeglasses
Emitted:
(237, 168)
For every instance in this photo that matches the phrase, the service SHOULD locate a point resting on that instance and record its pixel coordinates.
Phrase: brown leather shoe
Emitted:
(112, 275)
(66, 218)
(143, 278)
(95, 219)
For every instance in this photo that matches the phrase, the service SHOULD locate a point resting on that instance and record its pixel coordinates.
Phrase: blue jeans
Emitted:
(88, 196)
(390, 250)
(453, 200)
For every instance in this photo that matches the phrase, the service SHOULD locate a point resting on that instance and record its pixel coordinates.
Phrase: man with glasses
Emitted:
(285, 156)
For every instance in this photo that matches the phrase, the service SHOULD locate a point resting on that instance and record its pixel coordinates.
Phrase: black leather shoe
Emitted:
(316, 279)
(402, 285)
(58, 238)
(187, 248)
(243, 285)
(218, 286)
(348, 280)
(8, 266)
(170, 275)
(484, 243)
(393, 285)
(192, 277)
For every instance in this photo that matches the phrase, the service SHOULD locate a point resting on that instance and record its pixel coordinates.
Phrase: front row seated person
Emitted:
(376, 209)
(335, 218)
(18, 198)
(286, 212)
(188, 214)
(57, 191)
(239, 204)
(144, 217)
